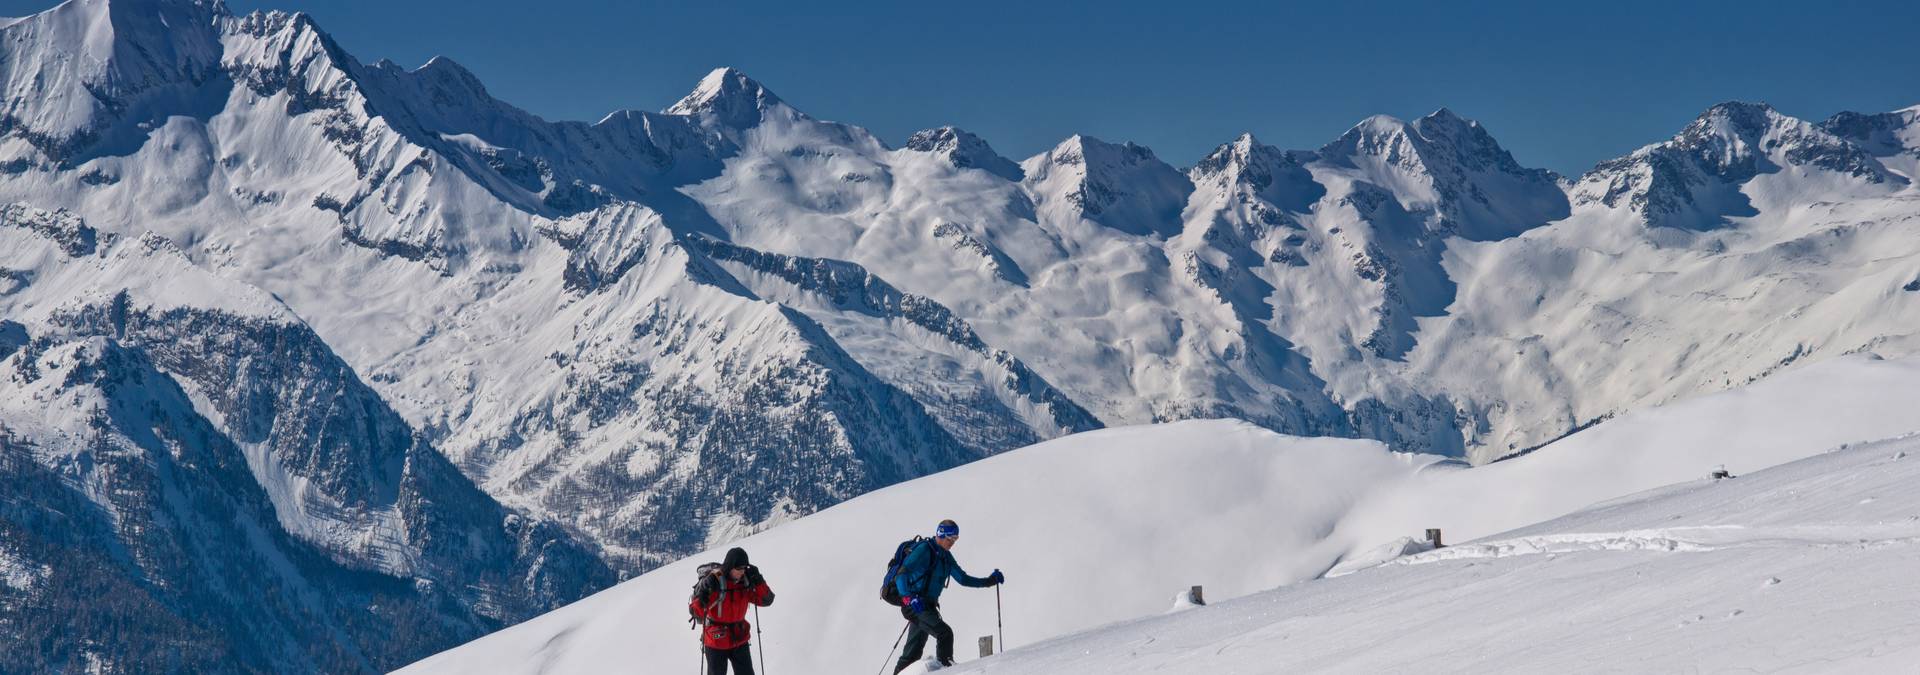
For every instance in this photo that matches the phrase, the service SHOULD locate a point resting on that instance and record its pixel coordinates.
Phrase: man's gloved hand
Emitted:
(913, 603)
(997, 578)
(753, 576)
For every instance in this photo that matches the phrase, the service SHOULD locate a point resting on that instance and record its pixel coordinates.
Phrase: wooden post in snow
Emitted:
(1433, 537)
(1194, 595)
(986, 646)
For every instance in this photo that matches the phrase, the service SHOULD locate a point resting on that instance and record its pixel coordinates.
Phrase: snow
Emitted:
(61, 68)
(19, 573)
(1780, 419)
(150, 270)
(1048, 514)
(373, 533)
(1101, 527)
(1780, 570)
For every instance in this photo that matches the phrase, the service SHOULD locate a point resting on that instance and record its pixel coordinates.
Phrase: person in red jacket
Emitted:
(720, 604)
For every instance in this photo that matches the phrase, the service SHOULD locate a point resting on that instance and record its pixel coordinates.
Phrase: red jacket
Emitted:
(723, 611)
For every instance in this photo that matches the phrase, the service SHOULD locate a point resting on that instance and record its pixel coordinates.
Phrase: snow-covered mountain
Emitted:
(1109, 526)
(187, 463)
(645, 335)
(1748, 243)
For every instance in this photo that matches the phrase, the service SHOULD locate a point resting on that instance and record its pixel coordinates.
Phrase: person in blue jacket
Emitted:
(923, 574)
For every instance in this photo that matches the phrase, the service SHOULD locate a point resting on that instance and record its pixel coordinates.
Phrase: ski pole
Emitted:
(896, 645)
(1002, 628)
(760, 638)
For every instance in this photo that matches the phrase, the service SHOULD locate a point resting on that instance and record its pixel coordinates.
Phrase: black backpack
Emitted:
(704, 584)
(888, 593)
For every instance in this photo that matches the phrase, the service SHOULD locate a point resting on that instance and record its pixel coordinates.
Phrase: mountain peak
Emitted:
(443, 64)
(1675, 182)
(729, 95)
(1441, 141)
(1379, 136)
(1468, 143)
(1742, 119)
(1737, 140)
(1740, 108)
(1236, 157)
(450, 75)
(1092, 159)
(1123, 186)
(1378, 125)
(1084, 149)
(1245, 164)
(1445, 123)
(1882, 134)
(74, 70)
(964, 150)
(1449, 164)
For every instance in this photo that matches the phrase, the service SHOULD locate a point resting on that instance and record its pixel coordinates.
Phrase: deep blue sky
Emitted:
(1562, 85)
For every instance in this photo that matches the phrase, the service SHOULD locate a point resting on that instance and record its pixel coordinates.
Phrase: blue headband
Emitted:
(946, 531)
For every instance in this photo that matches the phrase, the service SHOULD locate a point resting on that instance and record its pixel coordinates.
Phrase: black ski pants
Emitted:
(741, 656)
(920, 625)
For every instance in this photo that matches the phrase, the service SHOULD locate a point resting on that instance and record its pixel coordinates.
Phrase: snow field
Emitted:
(1805, 567)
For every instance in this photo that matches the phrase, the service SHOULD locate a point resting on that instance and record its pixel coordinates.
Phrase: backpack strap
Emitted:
(933, 554)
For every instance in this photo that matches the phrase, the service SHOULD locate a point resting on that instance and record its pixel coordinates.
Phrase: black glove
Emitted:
(753, 576)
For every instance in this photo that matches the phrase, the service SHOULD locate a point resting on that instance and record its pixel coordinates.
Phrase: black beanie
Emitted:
(736, 557)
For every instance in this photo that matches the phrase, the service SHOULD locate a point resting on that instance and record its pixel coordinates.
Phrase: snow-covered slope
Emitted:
(1110, 525)
(70, 72)
(1339, 251)
(473, 232)
(1803, 568)
(1087, 528)
(191, 465)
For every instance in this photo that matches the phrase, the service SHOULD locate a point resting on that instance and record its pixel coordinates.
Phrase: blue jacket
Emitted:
(918, 577)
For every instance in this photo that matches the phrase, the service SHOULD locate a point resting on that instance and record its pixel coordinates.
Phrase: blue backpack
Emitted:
(888, 593)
